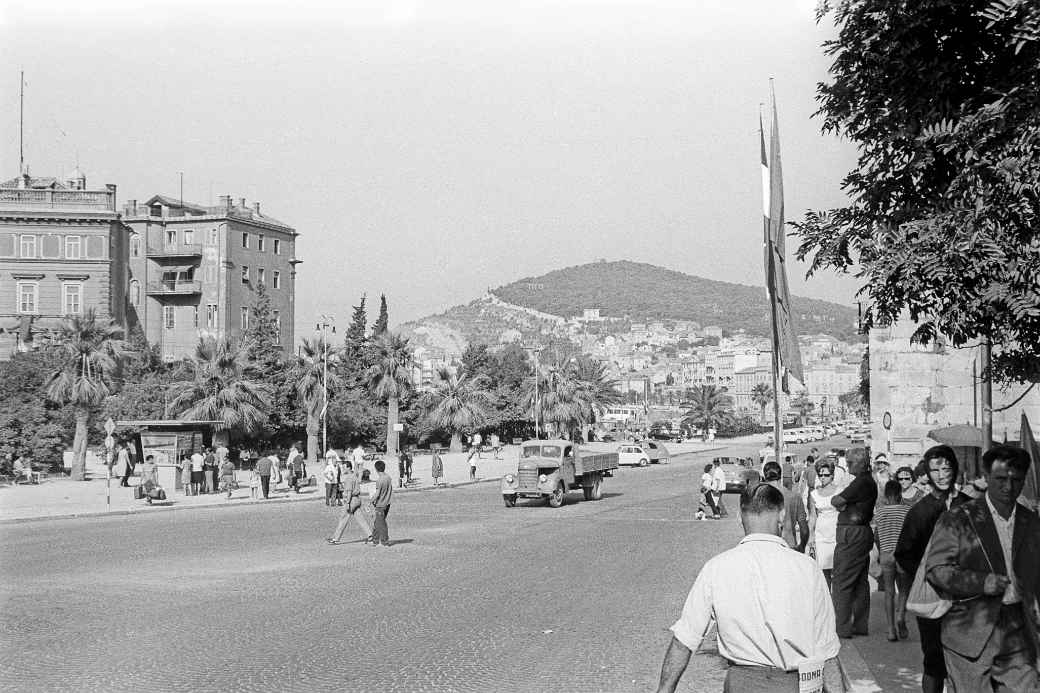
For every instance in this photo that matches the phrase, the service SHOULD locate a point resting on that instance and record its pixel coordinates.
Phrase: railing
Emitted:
(183, 286)
(56, 199)
(179, 250)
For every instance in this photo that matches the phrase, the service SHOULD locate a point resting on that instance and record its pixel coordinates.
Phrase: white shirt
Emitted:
(293, 454)
(718, 483)
(359, 456)
(771, 605)
(1006, 534)
(330, 472)
(196, 462)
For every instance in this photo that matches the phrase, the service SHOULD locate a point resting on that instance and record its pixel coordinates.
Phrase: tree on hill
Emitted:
(477, 359)
(942, 100)
(92, 349)
(762, 395)
(382, 322)
(458, 403)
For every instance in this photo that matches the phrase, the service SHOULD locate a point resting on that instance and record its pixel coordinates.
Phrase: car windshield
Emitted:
(552, 451)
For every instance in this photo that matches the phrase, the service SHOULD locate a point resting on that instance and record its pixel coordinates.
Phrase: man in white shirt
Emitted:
(358, 458)
(718, 486)
(197, 473)
(781, 617)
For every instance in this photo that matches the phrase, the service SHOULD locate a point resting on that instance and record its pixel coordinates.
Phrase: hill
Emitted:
(624, 292)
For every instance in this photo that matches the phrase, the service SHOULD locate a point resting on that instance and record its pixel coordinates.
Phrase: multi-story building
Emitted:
(63, 250)
(196, 270)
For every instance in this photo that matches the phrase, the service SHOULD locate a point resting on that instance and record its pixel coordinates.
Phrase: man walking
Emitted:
(351, 506)
(263, 468)
(779, 618)
(985, 555)
(718, 485)
(796, 524)
(855, 505)
(381, 504)
(123, 459)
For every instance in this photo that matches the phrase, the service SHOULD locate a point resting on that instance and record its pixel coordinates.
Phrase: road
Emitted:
(471, 597)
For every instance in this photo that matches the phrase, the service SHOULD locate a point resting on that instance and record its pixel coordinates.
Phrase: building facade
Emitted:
(63, 249)
(197, 271)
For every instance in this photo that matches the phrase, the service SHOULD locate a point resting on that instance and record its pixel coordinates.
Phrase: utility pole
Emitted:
(987, 394)
(535, 349)
(327, 321)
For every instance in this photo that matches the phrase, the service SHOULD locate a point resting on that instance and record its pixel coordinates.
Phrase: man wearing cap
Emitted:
(782, 616)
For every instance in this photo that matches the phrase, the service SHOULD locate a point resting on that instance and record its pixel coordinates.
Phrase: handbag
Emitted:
(923, 600)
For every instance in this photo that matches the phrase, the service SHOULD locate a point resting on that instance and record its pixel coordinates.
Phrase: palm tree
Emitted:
(389, 378)
(457, 403)
(573, 393)
(762, 395)
(219, 389)
(93, 349)
(709, 407)
(310, 372)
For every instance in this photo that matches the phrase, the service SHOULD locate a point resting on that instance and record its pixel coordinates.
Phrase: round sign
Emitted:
(886, 421)
(110, 442)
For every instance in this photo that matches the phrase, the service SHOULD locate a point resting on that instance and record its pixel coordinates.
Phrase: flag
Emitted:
(784, 338)
(1027, 441)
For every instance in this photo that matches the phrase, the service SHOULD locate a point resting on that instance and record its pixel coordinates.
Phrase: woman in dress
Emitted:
(437, 468)
(823, 518)
(909, 491)
(185, 467)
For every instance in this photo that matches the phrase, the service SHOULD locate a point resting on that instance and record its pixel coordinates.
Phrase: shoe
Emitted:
(332, 541)
(892, 637)
(902, 631)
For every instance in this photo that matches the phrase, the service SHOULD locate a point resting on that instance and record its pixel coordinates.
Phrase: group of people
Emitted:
(970, 556)
(355, 490)
(208, 470)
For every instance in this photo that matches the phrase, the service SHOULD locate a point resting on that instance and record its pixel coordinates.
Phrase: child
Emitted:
(254, 485)
(474, 452)
(889, 521)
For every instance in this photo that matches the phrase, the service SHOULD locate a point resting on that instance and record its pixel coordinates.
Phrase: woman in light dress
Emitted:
(823, 518)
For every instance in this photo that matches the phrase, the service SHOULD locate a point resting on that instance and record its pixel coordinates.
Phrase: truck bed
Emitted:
(595, 462)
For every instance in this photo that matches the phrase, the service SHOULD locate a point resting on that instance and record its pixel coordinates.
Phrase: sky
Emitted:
(430, 150)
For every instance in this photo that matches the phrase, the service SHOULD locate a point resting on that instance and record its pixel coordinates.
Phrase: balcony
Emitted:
(69, 200)
(181, 287)
(179, 251)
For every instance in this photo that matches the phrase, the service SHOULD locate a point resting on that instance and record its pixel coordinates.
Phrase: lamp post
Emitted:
(327, 321)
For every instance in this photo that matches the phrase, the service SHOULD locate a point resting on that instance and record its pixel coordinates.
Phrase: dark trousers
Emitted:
(380, 532)
(710, 501)
(265, 484)
(849, 579)
(126, 476)
(330, 493)
(934, 663)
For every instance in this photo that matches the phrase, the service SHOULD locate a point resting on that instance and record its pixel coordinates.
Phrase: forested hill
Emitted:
(645, 292)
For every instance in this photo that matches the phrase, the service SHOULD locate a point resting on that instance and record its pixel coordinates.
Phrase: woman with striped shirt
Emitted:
(888, 522)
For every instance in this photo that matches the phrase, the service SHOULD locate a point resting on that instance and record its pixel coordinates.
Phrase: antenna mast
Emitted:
(21, 125)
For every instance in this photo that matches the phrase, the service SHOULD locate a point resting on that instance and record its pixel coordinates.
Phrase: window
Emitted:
(28, 297)
(277, 247)
(168, 317)
(72, 298)
(27, 246)
(189, 237)
(260, 275)
(245, 240)
(135, 247)
(212, 236)
(276, 279)
(171, 238)
(278, 323)
(195, 317)
(245, 274)
(260, 243)
(72, 244)
(211, 316)
(135, 292)
(245, 318)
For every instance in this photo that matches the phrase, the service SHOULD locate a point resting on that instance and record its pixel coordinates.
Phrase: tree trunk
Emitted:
(78, 471)
(456, 442)
(391, 420)
(313, 430)
(763, 414)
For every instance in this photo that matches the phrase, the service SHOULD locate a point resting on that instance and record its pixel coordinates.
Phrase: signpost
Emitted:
(886, 421)
(110, 442)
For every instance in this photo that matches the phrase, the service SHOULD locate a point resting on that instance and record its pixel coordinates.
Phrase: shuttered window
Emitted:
(50, 246)
(97, 247)
(7, 245)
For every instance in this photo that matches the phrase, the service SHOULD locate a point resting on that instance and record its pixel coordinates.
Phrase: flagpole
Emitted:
(770, 268)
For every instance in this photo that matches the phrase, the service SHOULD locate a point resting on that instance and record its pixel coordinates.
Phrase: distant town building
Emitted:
(63, 249)
(195, 270)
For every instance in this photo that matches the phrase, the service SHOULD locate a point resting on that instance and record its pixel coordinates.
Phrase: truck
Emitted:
(549, 468)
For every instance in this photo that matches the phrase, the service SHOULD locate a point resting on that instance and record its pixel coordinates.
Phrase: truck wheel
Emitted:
(596, 492)
(510, 501)
(643, 462)
(556, 497)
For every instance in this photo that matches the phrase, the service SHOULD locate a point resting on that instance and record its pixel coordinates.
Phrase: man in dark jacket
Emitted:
(985, 555)
(855, 505)
(941, 463)
(795, 530)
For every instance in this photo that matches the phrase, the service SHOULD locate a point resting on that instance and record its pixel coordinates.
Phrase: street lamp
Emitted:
(327, 321)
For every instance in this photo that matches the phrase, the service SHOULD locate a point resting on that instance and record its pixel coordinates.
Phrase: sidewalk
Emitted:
(62, 497)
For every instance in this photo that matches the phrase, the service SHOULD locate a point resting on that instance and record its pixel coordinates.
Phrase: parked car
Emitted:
(737, 476)
(658, 453)
(633, 454)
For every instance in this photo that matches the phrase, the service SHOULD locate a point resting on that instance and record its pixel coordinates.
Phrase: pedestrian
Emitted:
(985, 554)
(476, 442)
(786, 473)
(718, 486)
(296, 468)
(381, 504)
(881, 475)
(264, 467)
(254, 484)
(276, 468)
(496, 445)
(823, 519)
(909, 493)
(918, 526)
(707, 500)
(227, 476)
(330, 475)
(197, 472)
(888, 521)
(402, 465)
(123, 460)
(185, 468)
(921, 478)
(294, 453)
(795, 530)
(436, 468)
(855, 504)
(781, 618)
(358, 455)
(473, 454)
(352, 507)
(149, 478)
(209, 467)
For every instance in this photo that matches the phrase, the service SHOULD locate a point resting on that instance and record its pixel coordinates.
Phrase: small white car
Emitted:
(631, 454)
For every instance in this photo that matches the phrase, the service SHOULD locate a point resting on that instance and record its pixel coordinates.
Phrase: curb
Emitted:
(854, 670)
(146, 509)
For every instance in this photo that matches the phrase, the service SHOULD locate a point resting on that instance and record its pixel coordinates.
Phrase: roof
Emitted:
(557, 441)
(42, 183)
(236, 211)
(167, 423)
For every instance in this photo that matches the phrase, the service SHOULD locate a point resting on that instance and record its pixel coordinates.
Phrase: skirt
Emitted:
(198, 477)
